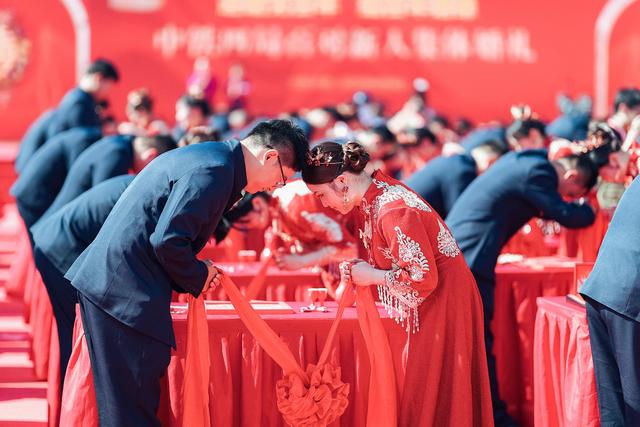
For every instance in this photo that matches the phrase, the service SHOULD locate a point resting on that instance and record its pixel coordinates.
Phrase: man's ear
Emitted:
(571, 174)
(268, 156)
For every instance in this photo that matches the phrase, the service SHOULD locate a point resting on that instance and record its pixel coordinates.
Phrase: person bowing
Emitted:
(422, 280)
(147, 248)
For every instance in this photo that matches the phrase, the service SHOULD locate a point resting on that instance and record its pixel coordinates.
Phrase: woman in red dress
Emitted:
(423, 282)
(304, 233)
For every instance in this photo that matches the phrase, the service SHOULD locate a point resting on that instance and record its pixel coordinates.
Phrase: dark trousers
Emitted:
(29, 217)
(63, 299)
(615, 344)
(127, 366)
(487, 292)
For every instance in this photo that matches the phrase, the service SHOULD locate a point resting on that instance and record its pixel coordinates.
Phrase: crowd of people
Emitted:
(408, 205)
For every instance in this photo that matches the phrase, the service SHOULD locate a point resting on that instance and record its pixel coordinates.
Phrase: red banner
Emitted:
(37, 56)
(478, 56)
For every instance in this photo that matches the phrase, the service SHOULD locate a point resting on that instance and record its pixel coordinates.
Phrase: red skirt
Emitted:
(446, 381)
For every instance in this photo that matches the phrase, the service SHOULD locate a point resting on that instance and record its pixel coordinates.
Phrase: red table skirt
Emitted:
(565, 388)
(243, 378)
(518, 285)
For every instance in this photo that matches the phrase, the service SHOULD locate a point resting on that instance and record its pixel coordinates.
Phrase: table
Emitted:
(565, 388)
(243, 378)
(279, 285)
(518, 285)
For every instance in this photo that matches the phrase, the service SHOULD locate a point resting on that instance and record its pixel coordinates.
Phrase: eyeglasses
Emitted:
(284, 178)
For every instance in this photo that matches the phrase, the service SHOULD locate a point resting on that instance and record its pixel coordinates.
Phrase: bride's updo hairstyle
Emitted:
(326, 161)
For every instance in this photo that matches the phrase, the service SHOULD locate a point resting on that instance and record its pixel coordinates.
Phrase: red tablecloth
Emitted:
(584, 243)
(243, 378)
(565, 388)
(518, 285)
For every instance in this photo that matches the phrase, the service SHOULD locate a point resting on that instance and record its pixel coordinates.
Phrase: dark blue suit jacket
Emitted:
(76, 109)
(615, 279)
(518, 187)
(483, 135)
(64, 235)
(43, 177)
(441, 181)
(148, 244)
(111, 156)
(33, 139)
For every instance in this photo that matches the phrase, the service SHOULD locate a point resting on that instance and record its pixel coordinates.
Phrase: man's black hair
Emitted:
(521, 128)
(105, 68)
(629, 96)
(585, 167)
(284, 136)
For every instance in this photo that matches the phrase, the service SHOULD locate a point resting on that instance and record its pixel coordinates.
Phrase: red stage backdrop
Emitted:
(478, 56)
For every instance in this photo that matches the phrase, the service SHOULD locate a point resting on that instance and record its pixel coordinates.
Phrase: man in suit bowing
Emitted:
(33, 139)
(442, 180)
(44, 175)
(519, 186)
(79, 107)
(108, 157)
(60, 238)
(612, 294)
(147, 248)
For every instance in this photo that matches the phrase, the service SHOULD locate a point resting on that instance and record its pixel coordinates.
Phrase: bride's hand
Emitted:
(363, 274)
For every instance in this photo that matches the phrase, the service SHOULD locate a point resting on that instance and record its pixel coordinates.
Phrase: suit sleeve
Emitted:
(196, 201)
(541, 191)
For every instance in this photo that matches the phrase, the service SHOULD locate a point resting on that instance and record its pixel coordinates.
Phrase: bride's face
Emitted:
(331, 195)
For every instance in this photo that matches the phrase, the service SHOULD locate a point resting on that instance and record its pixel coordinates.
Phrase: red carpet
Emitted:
(22, 399)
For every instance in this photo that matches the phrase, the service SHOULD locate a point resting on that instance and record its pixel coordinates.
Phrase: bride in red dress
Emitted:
(423, 282)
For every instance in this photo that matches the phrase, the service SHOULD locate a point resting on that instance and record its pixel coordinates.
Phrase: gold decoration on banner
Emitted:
(15, 49)
(136, 6)
(282, 8)
(400, 9)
